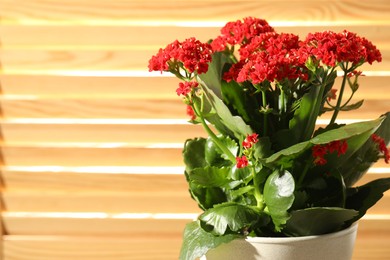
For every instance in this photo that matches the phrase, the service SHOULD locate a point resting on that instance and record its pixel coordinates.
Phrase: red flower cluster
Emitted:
(242, 161)
(382, 146)
(239, 32)
(269, 56)
(190, 112)
(186, 87)
(192, 54)
(332, 48)
(319, 151)
(250, 140)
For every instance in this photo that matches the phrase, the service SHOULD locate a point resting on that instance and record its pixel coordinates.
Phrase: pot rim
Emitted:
(344, 232)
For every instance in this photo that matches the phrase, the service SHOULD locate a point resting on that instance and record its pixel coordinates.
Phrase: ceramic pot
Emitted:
(333, 246)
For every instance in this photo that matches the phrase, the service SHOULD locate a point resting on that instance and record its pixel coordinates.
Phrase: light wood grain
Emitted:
(139, 247)
(140, 37)
(138, 109)
(119, 12)
(49, 86)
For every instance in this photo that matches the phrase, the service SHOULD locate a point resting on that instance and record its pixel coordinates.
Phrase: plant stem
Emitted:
(340, 98)
(213, 136)
(258, 195)
(265, 119)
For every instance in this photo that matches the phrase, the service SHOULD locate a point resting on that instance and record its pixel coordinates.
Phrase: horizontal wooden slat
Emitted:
(139, 108)
(114, 178)
(100, 133)
(178, 201)
(84, 156)
(120, 224)
(125, 248)
(15, 36)
(152, 201)
(90, 224)
(142, 247)
(119, 12)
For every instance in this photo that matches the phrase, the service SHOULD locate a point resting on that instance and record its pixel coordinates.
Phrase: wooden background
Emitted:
(91, 141)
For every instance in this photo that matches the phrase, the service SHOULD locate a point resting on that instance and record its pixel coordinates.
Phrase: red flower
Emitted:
(319, 151)
(192, 54)
(332, 48)
(250, 140)
(242, 161)
(186, 87)
(381, 146)
(332, 94)
(190, 112)
(239, 32)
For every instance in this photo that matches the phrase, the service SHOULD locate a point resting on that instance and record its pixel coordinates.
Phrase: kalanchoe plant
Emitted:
(266, 168)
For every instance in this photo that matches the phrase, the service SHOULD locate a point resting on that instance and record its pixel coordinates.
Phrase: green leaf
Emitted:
(279, 196)
(240, 174)
(364, 197)
(212, 78)
(210, 176)
(318, 221)
(225, 122)
(360, 131)
(360, 161)
(242, 102)
(214, 155)
(229, 215)
(207, 197)
(197, 242)
(194, 153)
(353, 106)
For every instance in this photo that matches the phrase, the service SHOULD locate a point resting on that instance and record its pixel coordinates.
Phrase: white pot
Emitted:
(333, 246)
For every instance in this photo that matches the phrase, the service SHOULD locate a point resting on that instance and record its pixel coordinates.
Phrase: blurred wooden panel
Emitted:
(177, 200)
(114, 178)
(75, 86)
(144, 37)
(104, 62)
(139, 247)
(80, 155)
(137, 108)
(147, 134)
(96, 223)
(119, 12)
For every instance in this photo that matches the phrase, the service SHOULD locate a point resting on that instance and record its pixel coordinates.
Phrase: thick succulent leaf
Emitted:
(207, 197)
(210, 176)
(359, 131)
(364, 197)
(197, 242)
(212, 78)
(224, 116)
(358, 163)
(194, 153)
(318, 221)
(279, 196)
(214, 154)
(230, 215)
(243, 103)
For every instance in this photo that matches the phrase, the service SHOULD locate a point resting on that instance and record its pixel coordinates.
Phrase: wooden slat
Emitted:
(66, 61)
(48, 37)
(88, 155)
(45, 86)
(114, 178)
(140, 108)
(145, 247)
(104, 132)
(99, 248)
(119, 12)
(92, 224)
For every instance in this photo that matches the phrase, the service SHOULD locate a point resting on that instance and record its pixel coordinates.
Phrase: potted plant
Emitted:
(266, 168)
